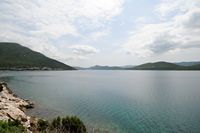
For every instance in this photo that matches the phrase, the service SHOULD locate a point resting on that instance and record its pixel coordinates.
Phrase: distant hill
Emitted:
(127, 66)
(164, 66)
(79, 68)
(187, 63)
(13, 56)
(148, 66)
(194, 67)
(97, 67)
(157, 66)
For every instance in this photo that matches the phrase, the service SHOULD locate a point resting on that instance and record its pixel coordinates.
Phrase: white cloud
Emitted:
(97, 9)
(99, 34)
(39, 24)
(191, 19)
(179, 32)
(167, 7)
(83, 50)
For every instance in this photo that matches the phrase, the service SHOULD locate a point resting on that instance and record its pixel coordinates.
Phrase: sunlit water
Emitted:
(115, 101)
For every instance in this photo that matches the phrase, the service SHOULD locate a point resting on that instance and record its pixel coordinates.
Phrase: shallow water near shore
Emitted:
(115, 101)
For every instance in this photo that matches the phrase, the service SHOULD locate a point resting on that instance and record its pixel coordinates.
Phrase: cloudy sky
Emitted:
(104, 32)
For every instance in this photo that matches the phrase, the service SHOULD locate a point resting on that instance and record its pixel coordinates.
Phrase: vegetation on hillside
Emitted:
(16, 57)
(13, 55)
(158, 66)
(164, 66)
(97, 67)
(150, 66)
(194, 67)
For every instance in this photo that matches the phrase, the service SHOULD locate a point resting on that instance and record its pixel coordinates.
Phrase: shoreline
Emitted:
(14, 108)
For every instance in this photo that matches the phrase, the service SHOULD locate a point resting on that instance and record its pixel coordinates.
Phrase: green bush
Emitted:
(42, 125)
(73, 125)
(56, 124)
(62, 125)
(11, 127)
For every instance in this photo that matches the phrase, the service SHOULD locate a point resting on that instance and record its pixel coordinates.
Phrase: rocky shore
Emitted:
(13, 108)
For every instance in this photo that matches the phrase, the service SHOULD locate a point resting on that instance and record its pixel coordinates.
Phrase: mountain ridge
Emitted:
(190, 63)
(14, 56)
(160, 65)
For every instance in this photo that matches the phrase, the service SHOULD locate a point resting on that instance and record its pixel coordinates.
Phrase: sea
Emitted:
(114, 101)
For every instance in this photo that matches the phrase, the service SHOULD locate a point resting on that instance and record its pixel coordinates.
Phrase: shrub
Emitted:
(67, 125)
(42, 125)
(56, 124)
(11, 127)
(73, 125)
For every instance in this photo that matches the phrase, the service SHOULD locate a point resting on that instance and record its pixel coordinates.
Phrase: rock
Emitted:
(33, 124)
(13, 107)
(4, 84)
(29, 106)
(1, 88)
(24, 119)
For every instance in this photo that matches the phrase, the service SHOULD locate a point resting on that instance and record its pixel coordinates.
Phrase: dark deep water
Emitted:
(115, 101)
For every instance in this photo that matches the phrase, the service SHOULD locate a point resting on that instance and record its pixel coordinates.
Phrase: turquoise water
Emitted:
(115, 101)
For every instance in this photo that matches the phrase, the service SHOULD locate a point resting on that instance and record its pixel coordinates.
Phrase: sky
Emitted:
(104, 32)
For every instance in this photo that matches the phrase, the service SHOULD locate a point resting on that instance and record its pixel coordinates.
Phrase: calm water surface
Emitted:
(115, 101)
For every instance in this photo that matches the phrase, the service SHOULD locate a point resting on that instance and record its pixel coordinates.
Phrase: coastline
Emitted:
(14, 108)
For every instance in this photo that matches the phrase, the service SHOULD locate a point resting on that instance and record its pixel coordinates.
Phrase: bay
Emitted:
(114, 101)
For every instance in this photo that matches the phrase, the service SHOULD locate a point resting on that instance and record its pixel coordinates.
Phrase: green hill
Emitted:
(158, 66)
(191, 63)
(164, 66)
(13, 56)
(97, 67)
(148, 66)
(194, 67)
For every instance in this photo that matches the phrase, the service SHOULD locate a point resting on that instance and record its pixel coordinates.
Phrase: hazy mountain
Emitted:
(164, 66)
(157, 66)
(149, 66)
(194, 67)
(188, 63)
(127, 66)
(79, 68)
(16, 57)
(97, 67)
